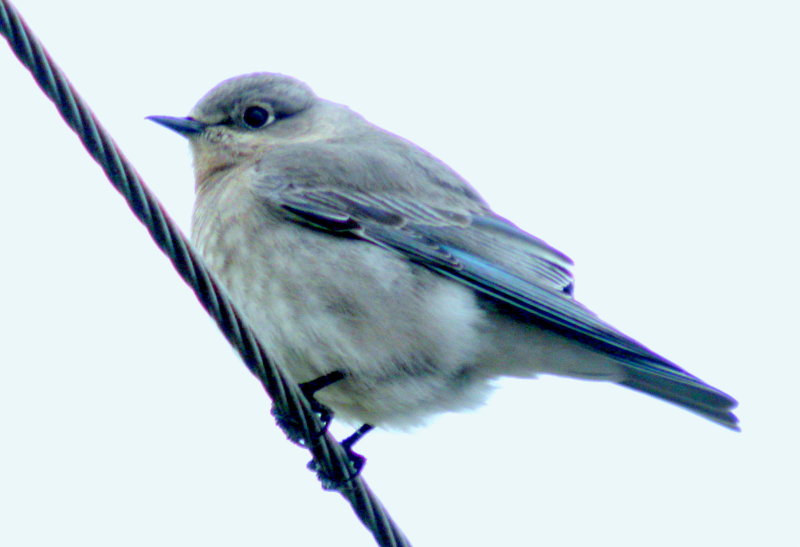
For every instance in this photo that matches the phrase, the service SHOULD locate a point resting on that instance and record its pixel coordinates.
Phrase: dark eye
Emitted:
(257, 117)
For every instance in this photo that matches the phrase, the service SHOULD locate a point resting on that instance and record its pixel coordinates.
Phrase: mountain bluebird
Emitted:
(358, 256)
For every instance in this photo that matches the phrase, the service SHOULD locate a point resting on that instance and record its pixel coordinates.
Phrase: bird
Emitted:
(378, 277)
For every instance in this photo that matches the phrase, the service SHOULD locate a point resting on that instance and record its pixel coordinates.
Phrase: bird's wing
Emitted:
(519, 272)
(429, 235)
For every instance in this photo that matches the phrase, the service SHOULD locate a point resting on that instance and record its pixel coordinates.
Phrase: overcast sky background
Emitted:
(656, 143)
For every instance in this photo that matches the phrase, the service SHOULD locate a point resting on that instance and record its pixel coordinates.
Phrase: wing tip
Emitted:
(696, 397)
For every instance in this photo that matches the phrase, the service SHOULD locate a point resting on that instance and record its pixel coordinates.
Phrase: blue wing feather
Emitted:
(510, 267)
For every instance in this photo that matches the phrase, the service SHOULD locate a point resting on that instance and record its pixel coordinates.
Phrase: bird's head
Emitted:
(244, 116)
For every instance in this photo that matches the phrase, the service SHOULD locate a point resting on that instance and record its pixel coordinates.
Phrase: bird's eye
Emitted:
(257, 117)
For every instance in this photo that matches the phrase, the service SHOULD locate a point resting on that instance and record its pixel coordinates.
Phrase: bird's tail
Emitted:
(681, 388)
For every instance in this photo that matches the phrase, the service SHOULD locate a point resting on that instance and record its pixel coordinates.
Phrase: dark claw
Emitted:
(312, 386)
(355, 460)
(325, 414)
(291, 426)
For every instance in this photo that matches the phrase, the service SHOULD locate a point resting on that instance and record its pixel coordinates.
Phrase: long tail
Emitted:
(681, 388)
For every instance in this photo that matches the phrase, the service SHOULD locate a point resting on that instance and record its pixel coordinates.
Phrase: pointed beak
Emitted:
(185, 127)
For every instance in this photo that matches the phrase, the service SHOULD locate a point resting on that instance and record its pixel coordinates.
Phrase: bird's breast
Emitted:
(405, 337)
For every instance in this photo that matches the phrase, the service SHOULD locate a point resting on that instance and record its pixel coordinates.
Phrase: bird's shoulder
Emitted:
(367, 161)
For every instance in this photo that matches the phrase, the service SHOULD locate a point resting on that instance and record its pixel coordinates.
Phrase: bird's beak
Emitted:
(185, 127)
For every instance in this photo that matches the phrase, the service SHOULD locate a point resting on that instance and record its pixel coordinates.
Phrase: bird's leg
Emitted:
(312, 386)
(309, 388)
(357, 461)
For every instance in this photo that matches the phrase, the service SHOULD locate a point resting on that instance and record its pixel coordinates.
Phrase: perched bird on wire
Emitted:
(378, 277)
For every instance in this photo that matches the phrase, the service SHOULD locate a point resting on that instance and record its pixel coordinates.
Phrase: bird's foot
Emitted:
(291, 426)
(313, 386)
(355, 460)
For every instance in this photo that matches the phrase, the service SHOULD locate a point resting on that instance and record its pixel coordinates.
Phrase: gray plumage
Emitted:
(348, 248)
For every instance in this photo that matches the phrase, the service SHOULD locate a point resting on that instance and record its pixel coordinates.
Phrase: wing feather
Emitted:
(517, 271)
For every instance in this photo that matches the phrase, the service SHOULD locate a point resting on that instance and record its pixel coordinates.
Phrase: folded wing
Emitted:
(520, 273)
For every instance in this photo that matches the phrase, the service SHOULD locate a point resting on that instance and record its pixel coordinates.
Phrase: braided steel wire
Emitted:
(289, 404)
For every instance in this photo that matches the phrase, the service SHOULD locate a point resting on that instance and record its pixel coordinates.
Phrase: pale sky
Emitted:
(655, 143)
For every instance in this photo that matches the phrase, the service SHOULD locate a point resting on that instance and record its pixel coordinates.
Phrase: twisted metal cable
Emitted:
(289, 404)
